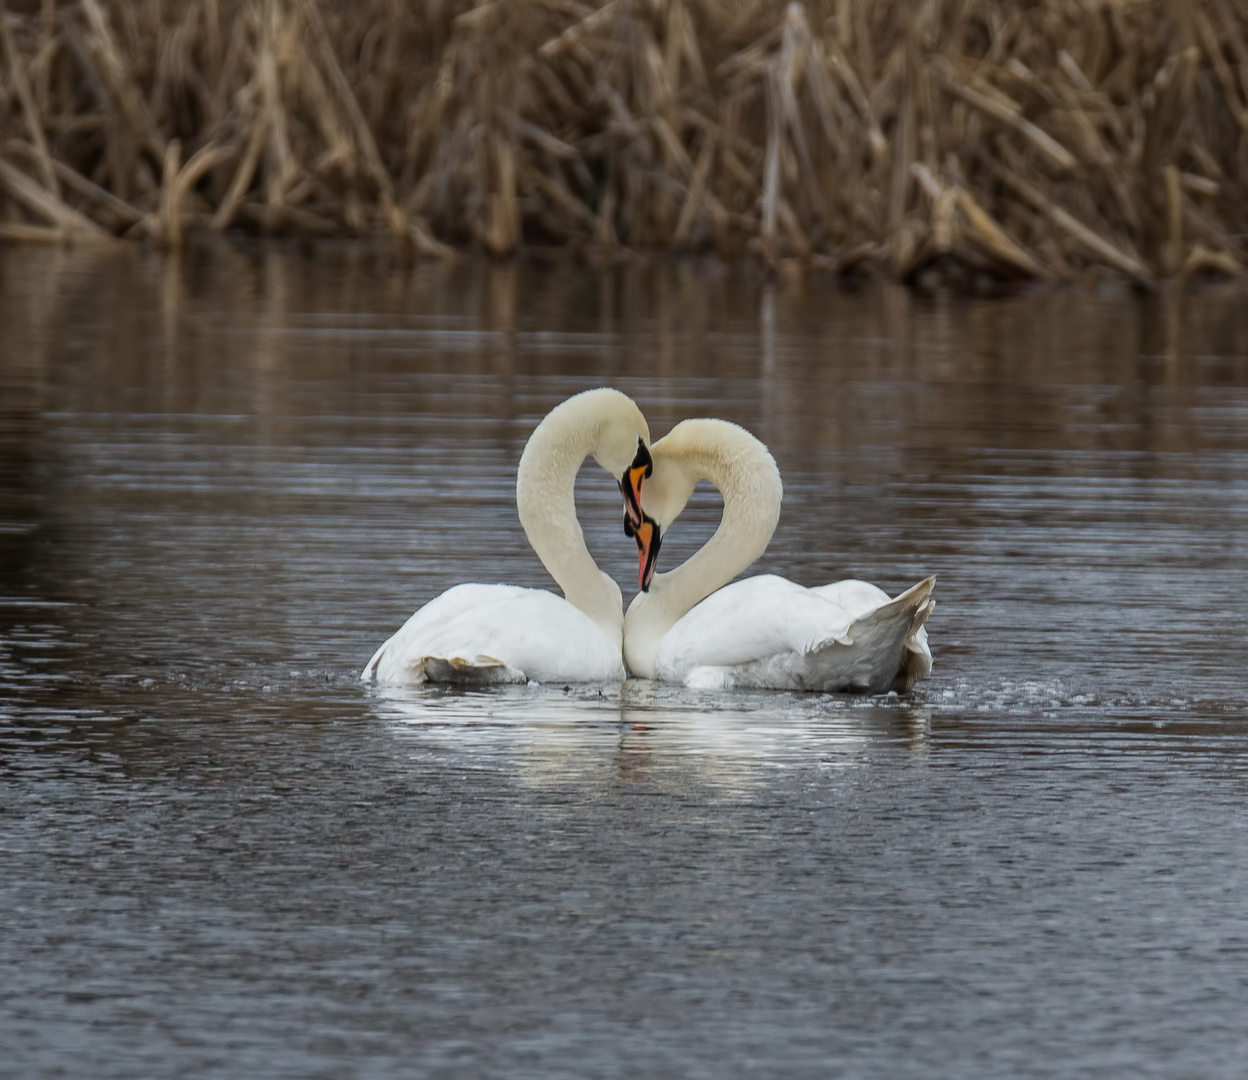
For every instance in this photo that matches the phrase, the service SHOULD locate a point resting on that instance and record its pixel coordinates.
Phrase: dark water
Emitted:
(224, 483)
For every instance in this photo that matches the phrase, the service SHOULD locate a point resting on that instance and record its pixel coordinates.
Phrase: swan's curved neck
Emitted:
(745, 473)
(545, 498)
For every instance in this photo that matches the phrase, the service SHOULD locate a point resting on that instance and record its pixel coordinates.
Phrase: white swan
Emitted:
(480, 634)
(764, 632)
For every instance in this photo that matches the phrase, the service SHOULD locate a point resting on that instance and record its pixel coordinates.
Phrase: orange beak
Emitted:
(648, 542)
(630, 488)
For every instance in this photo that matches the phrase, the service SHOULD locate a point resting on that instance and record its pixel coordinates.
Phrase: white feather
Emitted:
(768, 632)
(497, 633)
(481, 634)
(764, 632)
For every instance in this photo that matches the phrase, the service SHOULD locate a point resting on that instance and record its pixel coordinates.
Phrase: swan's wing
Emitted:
(531, 633)
(534, 632)
(856, 597)
(885, 648)
(427, 620)
(767, 631)
(466, 625)
(860, 598)
(917, 661)
(750, 620)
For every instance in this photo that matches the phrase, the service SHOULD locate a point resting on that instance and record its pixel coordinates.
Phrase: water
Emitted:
(225, 482)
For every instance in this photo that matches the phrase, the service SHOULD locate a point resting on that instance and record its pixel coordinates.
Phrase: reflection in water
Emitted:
(224, 480)
(600, 736)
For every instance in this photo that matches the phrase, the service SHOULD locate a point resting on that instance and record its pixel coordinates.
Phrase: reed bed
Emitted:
(1011, 139)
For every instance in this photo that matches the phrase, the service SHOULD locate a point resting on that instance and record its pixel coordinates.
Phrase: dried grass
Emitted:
(1001, 137)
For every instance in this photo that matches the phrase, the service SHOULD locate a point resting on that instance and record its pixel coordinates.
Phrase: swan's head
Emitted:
(621, 444)
(653, 499)
(728, 456)
(657, 494)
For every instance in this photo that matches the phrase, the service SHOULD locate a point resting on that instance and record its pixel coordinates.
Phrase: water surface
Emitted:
(224, 482)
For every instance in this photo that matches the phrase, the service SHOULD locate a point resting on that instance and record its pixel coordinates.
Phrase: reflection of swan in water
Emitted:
(483, 634)
(764, 632)
(671, 735)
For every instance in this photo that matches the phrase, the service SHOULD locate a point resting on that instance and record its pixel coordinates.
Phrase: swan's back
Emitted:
(497, 633)
(767, 632)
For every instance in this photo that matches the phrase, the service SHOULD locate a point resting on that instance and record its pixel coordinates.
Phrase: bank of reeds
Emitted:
(1009, 138)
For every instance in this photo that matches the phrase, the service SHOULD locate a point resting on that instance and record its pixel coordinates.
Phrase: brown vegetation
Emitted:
(1016, 138)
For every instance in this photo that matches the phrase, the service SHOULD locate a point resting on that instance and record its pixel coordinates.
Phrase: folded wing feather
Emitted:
(497, 633)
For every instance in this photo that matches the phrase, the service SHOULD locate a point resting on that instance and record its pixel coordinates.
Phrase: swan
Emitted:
(483, 634)
(764, 632)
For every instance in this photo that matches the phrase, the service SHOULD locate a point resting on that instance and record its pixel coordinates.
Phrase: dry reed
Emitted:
(1009, 138)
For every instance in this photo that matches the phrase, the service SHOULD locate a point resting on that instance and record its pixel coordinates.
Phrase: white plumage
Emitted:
(483, 634)
(497, 634)
(770, 632)
(764, 632)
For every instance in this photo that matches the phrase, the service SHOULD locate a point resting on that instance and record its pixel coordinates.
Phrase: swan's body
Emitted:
(485, 634)
(764, 632)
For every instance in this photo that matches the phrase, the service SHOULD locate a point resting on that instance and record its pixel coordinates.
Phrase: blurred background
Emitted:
(969, 142)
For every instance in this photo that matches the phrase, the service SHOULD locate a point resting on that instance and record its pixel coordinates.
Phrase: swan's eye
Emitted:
(643, 460)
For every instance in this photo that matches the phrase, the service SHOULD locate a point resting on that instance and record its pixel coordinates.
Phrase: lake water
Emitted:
(224, 482)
